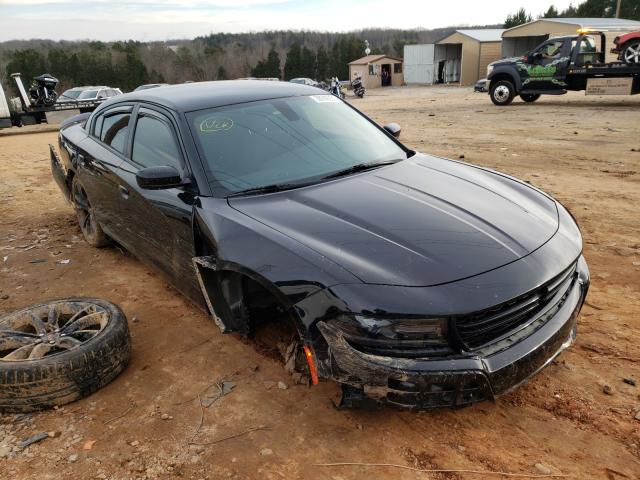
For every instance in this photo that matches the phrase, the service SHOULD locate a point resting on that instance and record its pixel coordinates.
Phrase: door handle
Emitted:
(124, 192)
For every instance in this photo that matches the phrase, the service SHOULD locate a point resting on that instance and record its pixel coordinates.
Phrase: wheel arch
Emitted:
(225, 283)
(506, 74)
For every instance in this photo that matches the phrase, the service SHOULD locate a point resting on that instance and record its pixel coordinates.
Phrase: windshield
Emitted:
(88, 94)
(71, 94)
(286, 141)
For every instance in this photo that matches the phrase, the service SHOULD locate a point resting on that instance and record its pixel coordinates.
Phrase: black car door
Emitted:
(159, 222)
(97, 163)
(549, 66)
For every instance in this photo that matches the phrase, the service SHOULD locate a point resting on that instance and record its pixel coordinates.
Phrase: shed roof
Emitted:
(484, 34)
(478, 35)
(603, 23)
(372, 58)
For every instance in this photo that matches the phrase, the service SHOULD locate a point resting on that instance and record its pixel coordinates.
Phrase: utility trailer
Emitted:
(21, 110)
(575, 62)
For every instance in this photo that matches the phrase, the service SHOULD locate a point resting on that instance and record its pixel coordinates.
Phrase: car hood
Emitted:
(423, 221)
(506, 61)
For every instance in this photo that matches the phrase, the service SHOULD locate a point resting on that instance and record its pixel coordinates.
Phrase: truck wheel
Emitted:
(502, 92)
(631, 53)
(530, 97)
(91, 229)
(59, 351)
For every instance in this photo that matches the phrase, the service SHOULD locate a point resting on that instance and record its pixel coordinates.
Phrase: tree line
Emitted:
(629, 9)
(219, 56)
(320, 64)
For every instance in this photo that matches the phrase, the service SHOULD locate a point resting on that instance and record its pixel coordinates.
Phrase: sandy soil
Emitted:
(579, 149)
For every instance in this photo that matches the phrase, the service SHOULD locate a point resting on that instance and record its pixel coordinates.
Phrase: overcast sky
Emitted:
(166, 19)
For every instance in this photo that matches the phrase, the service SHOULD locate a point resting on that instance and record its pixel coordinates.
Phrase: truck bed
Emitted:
(611, 69)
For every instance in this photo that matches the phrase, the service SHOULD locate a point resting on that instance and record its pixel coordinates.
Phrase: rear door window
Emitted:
(114, 130)
(154, 142)
(112, 127)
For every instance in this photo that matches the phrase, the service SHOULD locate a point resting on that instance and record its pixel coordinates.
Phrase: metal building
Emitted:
(378, 71)
(519, 40)
(461, 57)
(418, 64)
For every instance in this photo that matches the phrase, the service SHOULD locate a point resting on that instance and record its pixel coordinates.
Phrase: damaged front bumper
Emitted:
(458, 380)
(59, 173)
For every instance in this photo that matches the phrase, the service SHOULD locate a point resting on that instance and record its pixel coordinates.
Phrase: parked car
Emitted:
(481, 86)
(410, 279)
(150, 85)
(628, 47)
(305, 81)
(72, 94)
(99, 93)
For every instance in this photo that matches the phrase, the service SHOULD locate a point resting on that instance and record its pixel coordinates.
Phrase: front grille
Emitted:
(488, 326)
(394, 350)
(436, 391)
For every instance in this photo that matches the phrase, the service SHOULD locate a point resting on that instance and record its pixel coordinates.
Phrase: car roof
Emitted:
(87, 88)
(567, 37)
(200, 95)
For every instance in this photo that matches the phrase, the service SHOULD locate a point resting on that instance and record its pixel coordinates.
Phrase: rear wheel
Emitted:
(631, 53)
(91, 229)
(502, 92)
(530, 97)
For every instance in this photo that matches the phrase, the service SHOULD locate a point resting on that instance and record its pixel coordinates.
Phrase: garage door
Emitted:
(418, 64)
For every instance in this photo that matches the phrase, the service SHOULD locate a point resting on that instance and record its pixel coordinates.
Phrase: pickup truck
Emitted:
(558, 65)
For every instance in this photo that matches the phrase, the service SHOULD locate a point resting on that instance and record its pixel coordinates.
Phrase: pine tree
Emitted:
(293, 64)
(552, 12)
(322, 64)
(268, 68)
(518, 18)
(307, 63)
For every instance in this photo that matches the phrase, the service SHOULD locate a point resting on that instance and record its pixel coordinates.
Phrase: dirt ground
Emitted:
(584, 151)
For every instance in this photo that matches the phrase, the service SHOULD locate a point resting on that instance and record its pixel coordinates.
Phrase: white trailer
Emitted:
(5, 113)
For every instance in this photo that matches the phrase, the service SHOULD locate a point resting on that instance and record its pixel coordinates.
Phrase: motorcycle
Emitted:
(336, 88)
(357, 86)
(42, 90)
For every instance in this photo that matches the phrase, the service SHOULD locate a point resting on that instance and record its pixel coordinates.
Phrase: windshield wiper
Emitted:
(361, 167)
(276, 187)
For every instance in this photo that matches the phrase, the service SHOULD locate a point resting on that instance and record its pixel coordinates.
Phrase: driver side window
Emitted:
(154, 144)
(551, 50)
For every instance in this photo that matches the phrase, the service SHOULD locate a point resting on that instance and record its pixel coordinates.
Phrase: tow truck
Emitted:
(575, 62)
(19, 111)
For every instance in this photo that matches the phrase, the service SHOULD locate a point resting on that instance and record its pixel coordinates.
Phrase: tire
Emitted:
(502, 92)
(631, 53)
(91, 229)
(530, 97)
(94, 350)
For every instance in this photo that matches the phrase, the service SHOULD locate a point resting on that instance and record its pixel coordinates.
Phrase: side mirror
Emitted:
(158, 178)
(393, 128)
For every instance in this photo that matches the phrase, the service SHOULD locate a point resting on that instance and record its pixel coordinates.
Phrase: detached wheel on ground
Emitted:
(502, 92)
(60, 351)
(631, 53)
(91, 229)
(529, 97)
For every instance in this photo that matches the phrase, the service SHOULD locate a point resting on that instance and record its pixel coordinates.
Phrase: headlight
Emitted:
(489, 70)
(397, 337)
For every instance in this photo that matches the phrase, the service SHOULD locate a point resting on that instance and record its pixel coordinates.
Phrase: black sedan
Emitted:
(412, 280)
